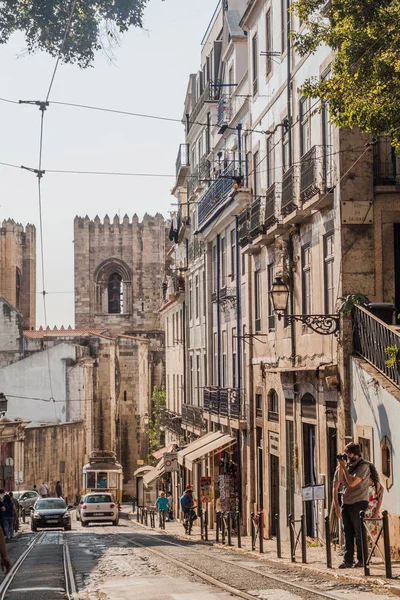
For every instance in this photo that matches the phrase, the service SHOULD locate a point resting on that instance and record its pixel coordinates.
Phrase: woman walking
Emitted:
(8, 516)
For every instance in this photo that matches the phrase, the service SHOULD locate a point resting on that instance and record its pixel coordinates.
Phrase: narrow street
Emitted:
(117, 563)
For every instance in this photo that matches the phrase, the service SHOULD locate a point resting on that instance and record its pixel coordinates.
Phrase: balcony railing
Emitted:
(210, 94)
(173, 422)
(309, 177)
(192, 415)
(288, 190)
(217, 193)
(193, 181)
(386, 163)
(371, 338)
(224, 402)
(257, 217)
(270, 206)
(204, 170)
(195, 249)
(182, 164)
(244, 227)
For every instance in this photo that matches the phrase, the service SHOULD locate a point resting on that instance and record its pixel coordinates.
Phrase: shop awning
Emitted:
(199, 443)
(221, 443)
(160, 453)
(142, 470)
(154, 474)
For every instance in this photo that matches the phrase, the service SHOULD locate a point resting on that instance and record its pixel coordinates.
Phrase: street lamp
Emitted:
(3, 404)
(322, 324)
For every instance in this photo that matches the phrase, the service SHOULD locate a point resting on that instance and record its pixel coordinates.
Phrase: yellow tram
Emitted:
(103, 473)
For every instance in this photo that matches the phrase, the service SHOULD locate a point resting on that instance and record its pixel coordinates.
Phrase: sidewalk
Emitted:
(316, 556)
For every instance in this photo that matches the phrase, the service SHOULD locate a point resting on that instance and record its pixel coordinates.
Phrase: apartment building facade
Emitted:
(276, 193)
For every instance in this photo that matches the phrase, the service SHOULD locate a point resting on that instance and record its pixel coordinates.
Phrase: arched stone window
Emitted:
(308, 407)
(273, 406)
(113, 280)
(17, 288)
(115, 294)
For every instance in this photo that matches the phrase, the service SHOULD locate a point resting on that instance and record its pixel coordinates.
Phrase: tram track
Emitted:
(68, 591)
(307, 592)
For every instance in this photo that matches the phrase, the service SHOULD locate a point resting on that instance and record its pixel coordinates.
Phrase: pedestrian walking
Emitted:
(7, 508)
(170, 508)
(43, 490)
(162, 507)
(17, 512)
(354, 474)
(59, 489)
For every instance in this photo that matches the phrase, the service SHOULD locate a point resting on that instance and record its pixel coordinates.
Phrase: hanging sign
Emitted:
(170, 462)
(313, 492)
(206, 490)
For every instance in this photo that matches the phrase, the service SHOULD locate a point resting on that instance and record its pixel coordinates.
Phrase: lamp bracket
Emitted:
(322, 324)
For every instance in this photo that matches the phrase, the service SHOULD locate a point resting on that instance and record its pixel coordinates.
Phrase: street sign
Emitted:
(9, 462)
(19, 477)
(170, 462)
(313, 492)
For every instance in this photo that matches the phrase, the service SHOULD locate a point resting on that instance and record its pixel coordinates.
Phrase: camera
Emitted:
(341, 456)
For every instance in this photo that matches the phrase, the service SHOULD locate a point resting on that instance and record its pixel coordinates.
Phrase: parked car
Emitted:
(50, 512)
(97, 507)
(26, 499)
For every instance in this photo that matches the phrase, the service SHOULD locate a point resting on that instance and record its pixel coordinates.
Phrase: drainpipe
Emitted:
(239, 130)
(239, 347)
(218, 312)
(288, 85)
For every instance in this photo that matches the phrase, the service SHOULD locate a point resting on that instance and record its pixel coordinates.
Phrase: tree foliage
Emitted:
(95, 25)
(364, 87)
(156, 426)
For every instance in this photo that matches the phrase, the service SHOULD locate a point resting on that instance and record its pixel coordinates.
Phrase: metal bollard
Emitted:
(218, 525)
(303, 539)
(141, 515)
(238, 529)
(261, 531)
(253, 534)
(386, 544)
(328, 543)
(364, 543)
(291, 536)
(222, 528)
(201, 524)
(146, 518)
(278, 536)
(206, 525)
(229, 528)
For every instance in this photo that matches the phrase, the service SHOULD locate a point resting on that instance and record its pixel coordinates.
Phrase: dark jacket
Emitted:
(58, 490)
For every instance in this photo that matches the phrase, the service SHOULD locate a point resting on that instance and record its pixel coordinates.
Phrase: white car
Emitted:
(97, 506)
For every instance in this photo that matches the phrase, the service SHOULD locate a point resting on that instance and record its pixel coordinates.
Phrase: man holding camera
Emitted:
(353, 473)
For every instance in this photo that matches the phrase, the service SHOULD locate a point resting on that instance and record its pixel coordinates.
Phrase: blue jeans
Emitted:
(8, 527)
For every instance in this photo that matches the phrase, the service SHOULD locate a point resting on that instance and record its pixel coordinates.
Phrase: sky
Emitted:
(148, 74)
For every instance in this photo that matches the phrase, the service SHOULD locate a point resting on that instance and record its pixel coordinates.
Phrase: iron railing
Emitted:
(217, 193)
(244, 227)
(270, 208)
(193, 181)
(182, 163)
(309, 184)
(195, 249)
(386, 163)
(288, 201)
(210, 94)
(204, 170)
(192, 415)
(371, 338)
(173, 422)
(257, 218)
(224, 402)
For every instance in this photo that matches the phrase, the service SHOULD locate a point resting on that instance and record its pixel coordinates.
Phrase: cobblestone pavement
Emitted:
(126, 562)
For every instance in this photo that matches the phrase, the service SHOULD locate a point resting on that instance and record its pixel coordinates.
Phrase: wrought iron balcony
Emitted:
(204, 170)
(182, 164)
(371, 338)
(195, 249)
(178, 283)
(288, 190)
(224, 402)
(192, 415)
(216, 194)
(173, 422)
(210, 94)
(386, 163)
(310, 179)
(226, 297)
(270, 206)
(244, 227)
(257, 217)
(193, 181)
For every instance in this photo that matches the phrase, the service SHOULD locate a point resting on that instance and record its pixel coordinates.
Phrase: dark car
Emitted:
(50, 512)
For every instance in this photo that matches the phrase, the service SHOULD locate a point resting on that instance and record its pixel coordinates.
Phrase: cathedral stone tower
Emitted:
(18, 269)
(119, 269)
